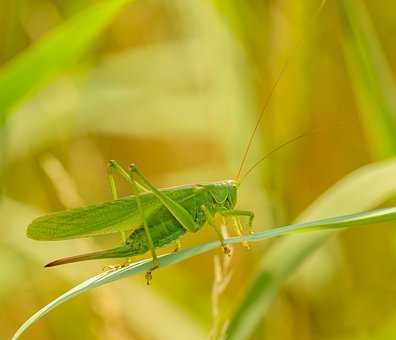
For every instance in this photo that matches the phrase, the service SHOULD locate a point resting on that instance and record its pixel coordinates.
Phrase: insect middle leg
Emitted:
(212, 223)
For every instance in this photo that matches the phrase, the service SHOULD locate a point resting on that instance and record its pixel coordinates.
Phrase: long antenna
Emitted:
(290, 141)
(264, 110)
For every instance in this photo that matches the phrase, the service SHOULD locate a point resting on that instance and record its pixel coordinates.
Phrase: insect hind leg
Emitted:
(178, 211)
(114, 167)
(155, 265)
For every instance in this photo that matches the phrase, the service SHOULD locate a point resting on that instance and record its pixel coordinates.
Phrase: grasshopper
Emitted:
(153, 217)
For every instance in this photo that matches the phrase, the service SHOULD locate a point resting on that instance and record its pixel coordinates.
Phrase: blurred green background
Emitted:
(176, 87)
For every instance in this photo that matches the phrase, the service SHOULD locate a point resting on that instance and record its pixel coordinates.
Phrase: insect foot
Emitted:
(246, 245)
(178, 247)
(148, 277)
(117, 266)
(111, 268)
(227, 250)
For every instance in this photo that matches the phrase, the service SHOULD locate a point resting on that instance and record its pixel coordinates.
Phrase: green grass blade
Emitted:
(340, 222)
(284, 258)
(60, 49)
(372, 79)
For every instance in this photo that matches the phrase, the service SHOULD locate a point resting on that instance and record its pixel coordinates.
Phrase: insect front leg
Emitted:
(178, 246)
(239, 229)
(237, 214)
(211, 222)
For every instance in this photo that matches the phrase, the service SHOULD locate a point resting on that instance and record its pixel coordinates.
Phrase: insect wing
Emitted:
(103, 218)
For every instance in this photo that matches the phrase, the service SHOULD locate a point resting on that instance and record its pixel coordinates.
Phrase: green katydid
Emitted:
(153, 217)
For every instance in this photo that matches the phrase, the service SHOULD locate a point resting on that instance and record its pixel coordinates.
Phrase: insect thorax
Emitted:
(164, 228)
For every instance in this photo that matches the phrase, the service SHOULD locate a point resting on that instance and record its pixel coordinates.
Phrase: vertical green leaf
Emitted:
(371, 77)
(57, 51)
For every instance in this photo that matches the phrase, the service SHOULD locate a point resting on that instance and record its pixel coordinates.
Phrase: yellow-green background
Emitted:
(176, 87)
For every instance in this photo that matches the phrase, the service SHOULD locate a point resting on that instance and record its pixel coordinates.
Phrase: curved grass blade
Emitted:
(60, 49)
(285, 257)
(339, 222)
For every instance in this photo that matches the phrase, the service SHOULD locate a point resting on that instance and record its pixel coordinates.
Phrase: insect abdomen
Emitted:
(162, 234)
(163, 226)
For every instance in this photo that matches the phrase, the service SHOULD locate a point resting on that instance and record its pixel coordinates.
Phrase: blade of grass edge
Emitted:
(339, 222)
(285, 257)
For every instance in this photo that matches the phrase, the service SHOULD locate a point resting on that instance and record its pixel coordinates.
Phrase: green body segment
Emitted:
(122, 215)
(164, 228)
